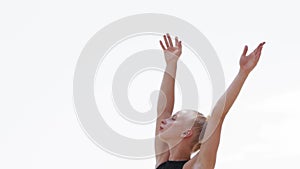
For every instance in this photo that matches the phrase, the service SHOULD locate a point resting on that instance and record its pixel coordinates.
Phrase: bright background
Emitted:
(42, 40)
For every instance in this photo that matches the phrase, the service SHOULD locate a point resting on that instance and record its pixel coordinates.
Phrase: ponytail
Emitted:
(200, 126)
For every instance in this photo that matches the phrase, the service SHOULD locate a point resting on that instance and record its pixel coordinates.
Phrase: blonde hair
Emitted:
(199, 128)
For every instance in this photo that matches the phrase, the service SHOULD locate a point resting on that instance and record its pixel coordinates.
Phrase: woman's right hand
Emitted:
(171, 52)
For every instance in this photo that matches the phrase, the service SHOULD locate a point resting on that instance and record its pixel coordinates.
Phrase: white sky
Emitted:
(42, 40)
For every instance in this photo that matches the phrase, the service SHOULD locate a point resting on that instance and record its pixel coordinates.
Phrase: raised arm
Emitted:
(165, 103)
(210, 143)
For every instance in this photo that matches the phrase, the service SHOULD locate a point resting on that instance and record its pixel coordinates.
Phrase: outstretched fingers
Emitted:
(169, 43)
(170, 40)
(176, 41)
(260, 49)
(179, 45)
(166, 41)
(257, 49)
(245, 51)
(162, 45)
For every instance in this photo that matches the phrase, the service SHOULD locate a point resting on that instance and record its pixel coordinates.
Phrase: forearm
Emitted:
(226, 101)
(166, 95)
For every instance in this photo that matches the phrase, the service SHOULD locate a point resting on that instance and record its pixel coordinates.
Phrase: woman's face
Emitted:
(173, 127)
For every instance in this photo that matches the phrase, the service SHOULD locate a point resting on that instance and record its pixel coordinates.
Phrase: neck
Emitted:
(179, 152)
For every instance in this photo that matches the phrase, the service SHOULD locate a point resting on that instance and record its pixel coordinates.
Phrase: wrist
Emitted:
(171, 69)
(243, 73)
(172, 62)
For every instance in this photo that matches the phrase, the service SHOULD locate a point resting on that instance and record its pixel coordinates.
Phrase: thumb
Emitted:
(245, 50)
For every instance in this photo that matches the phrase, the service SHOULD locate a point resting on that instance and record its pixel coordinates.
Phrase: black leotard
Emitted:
(171, 165)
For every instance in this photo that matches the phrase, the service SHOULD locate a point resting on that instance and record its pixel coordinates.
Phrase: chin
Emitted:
(161, 136)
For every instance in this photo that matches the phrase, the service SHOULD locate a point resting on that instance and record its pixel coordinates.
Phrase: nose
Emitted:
(163, 121)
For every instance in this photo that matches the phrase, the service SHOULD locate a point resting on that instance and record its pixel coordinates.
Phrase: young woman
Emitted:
(187, 131)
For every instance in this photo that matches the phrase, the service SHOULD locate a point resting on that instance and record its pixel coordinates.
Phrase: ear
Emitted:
(186, 133)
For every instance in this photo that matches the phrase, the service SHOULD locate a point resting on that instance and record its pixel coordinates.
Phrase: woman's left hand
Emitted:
(247, 63)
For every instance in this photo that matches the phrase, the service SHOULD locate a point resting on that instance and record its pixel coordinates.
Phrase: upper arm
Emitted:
(161, 148)
(208, 150)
